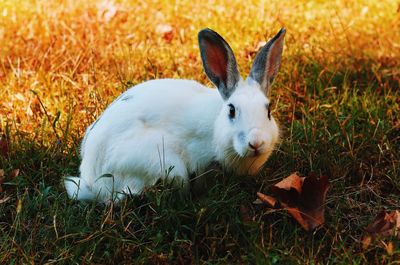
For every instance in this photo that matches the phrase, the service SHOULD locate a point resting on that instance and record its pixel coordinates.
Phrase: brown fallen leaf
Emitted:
(385, 224)
(302, 197)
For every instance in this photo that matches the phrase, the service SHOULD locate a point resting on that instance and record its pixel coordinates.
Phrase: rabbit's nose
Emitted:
(256, 145)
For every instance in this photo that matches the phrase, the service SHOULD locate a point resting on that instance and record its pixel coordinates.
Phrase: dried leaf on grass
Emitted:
(302, 197)
(385, 224)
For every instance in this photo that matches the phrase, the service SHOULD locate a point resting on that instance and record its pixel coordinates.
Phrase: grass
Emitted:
(336, 97)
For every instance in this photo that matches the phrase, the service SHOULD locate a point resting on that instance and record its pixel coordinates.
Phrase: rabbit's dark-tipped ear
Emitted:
(219, 62)
(267, 62)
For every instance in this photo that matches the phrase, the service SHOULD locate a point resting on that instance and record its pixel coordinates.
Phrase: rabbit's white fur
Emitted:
(170, 128)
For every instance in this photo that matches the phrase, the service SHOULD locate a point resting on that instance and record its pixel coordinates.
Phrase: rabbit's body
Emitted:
(170, 128)
(140, 119)
(147, 141)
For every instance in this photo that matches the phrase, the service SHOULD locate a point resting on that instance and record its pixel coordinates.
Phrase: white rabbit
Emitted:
(171, 128)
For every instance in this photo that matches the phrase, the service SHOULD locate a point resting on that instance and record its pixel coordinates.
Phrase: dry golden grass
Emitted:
(78, 55)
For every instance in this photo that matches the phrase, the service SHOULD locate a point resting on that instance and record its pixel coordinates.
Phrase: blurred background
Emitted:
(63, 59)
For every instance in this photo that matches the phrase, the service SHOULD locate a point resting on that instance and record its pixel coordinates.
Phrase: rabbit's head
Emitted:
(245, 131)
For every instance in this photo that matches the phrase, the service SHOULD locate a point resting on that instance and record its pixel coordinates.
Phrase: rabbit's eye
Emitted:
(268, 107)
(232, 111)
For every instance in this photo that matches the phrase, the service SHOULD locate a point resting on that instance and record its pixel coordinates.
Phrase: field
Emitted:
(337, 99)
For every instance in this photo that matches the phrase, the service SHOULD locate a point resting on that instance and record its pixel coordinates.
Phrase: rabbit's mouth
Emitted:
(253, 153)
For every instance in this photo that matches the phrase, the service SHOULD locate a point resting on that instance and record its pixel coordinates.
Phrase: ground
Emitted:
(336, 98)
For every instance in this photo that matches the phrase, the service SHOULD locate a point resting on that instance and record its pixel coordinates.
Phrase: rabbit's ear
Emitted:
(219, 62)
(267, 62)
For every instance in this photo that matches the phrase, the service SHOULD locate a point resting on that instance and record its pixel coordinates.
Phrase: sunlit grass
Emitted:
(77, 56)
(336, 97)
